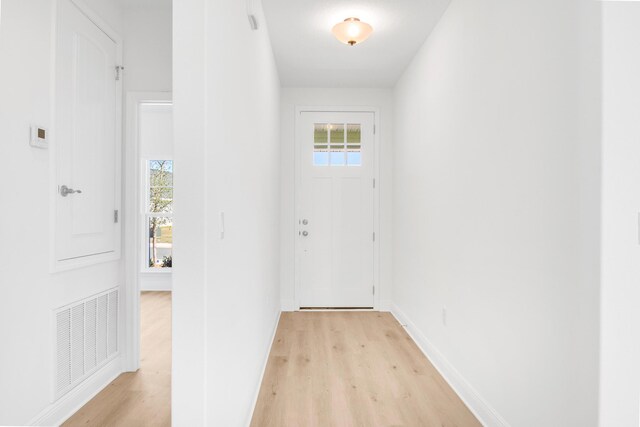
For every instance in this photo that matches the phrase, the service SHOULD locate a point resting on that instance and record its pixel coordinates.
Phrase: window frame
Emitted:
(146, 214)
(331, 147)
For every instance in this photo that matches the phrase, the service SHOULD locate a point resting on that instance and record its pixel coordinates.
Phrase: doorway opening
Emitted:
(149, 244)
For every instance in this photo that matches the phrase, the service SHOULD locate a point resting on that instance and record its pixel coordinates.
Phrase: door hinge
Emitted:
(374, 289)
(115, 216)
(374, 236)
(374, 183)
(374, 129)
(118, 69)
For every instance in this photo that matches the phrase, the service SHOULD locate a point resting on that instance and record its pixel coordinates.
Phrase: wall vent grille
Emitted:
(86, 338)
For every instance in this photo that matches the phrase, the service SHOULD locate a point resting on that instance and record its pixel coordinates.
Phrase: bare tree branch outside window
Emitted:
(160, 202)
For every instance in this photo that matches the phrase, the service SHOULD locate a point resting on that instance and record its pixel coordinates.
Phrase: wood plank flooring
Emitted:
(142, 398)
(352, 369)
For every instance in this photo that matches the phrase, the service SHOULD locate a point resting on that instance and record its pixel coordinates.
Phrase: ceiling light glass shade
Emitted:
(352, 31)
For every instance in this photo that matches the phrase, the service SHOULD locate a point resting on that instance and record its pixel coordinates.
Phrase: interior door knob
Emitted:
(305, 233)
(65, 191)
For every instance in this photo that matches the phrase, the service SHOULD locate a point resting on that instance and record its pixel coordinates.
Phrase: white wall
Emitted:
(155, 123)
(226, 292)
(496, 206)
(29, 291)
(620, 356)
(148, 45)
(189, 305)
(332, 97)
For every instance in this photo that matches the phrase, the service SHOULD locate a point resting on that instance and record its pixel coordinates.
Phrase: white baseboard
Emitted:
(488, 416)
(156, 289)
(155, 282)
(63, 408)
(264, 366)
(288, 305)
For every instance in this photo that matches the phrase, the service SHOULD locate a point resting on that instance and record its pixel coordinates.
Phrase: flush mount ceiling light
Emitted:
(352, 31)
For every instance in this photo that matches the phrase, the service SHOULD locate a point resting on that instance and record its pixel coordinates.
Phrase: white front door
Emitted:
(85, 139)
(335, 207)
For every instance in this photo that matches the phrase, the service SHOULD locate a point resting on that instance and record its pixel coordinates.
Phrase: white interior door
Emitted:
(335, 209)
(85, 139)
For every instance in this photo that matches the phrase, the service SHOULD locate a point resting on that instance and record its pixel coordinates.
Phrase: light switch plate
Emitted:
(39, 137)
(221, 225)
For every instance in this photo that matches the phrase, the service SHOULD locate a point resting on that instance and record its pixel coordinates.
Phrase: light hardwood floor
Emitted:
(352, 369)
(142, 398)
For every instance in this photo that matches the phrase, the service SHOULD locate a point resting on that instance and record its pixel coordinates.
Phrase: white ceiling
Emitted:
(308, 55)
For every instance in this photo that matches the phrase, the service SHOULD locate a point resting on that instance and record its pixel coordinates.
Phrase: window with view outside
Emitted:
(159, 214)
(337, 144)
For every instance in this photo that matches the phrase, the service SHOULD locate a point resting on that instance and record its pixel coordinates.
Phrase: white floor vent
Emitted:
(86, 338)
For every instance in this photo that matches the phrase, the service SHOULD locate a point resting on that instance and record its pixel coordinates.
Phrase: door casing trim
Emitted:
(132, 254)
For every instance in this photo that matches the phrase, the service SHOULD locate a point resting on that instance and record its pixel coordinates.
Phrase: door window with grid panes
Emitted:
(337, 144)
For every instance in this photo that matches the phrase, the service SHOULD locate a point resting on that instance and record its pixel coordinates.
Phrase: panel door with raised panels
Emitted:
(336, 209)
(86, 224)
